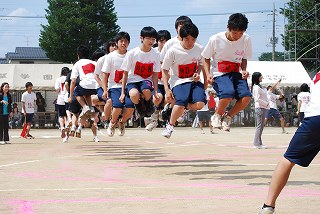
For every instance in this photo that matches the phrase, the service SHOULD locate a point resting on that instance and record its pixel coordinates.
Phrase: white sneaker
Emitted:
(111, 129)
(167, 131)
(121, 128)
(85, 113)
(216, 121)
(226, 122)
(266, 210)
(2, 142)
(151, 126)
(96, 139)
(147, 120)
(65, 139)
(261, 146)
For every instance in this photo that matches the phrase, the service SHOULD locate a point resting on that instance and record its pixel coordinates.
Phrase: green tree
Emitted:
(279, 56)
(75, 22)
(301, 31)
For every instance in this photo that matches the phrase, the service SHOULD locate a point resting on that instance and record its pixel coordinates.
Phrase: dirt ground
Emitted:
(145, 173)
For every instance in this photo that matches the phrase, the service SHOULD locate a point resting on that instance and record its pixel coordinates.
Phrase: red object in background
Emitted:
(211, 102)
(24, 131)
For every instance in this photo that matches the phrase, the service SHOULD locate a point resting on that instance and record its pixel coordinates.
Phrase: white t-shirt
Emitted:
(59, 84)
(29, 102)
(112, 65)
(160, 82)
(304, 97)
(206, 107)
(260, 97)
(183, 63)
(224, 52)
(273, 100)
(84, 68)
(99, 66)
(314, 105)
(140, 65)
(168, 45)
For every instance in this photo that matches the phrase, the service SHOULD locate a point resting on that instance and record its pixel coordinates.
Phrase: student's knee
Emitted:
(246, 100)
(147, 94)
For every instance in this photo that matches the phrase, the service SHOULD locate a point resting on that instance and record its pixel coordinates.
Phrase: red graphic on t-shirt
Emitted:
(160, 75)
(226, 66)
(89, 68)
(143, 69)
(316, 78)
(118, 76)
(187, 70)
(62, 86)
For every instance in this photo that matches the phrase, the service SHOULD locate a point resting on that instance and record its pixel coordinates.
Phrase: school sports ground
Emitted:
(145, 173)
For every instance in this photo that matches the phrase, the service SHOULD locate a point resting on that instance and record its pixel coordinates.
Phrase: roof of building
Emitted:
(27, 53)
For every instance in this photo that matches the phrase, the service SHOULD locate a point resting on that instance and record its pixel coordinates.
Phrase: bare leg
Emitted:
(195, 106)
(223, 103)
(177, 111)
(115, 115)
(134, 95)
(127, 114)
(279, 179)
(240, 105)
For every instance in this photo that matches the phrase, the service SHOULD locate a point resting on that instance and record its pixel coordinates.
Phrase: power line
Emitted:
(146, 16)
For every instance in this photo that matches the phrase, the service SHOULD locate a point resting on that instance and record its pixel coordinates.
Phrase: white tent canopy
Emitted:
(293, 74)
(42, 76)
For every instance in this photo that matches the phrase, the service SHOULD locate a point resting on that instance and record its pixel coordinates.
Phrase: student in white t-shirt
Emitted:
(112, 81)
(303, 148)
(261, 105)
(303, 100)
(60, 88)
(84, 68)
(181, 67)
(273, 112)
(229, 52)
(141, 66)
(152, 122)
(28, 101)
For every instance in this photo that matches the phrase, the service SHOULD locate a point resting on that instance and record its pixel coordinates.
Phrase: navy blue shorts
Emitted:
(75, 106)
(189, 92)
(204, 116)
(61, 111)
(67, 106)
(140, 86)
(100, 93)
(273, 113)
(29, 118)
(79, 91)
(114, 94)
(231, 85)
(305, 144)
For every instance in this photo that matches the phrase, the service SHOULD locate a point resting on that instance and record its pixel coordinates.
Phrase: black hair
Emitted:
(163, 34)
(268, 87)
(2, 85)
(64, 71)
(238, 21)
(181, 20)
(122, 35)
(97, 54)
(83, 52)
(148, 32)
(304, 87)
(255, 79)
(28, 84)
(111, 42)
(189, 29)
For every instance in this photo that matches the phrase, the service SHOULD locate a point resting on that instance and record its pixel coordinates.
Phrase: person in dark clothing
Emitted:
(5, 112)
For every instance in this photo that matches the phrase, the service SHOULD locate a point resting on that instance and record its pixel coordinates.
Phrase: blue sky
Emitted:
(18, 32)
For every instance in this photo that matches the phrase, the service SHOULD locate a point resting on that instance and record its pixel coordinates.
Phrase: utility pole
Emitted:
(273, 39)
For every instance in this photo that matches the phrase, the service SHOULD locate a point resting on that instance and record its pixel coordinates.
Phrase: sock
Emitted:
(265, 206)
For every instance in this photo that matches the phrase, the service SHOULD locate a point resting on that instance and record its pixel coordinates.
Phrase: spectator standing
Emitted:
(5, 112)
